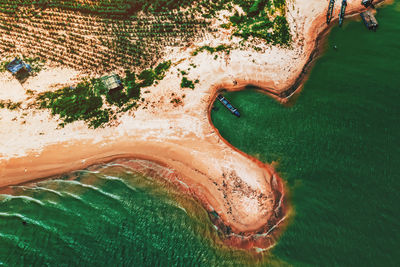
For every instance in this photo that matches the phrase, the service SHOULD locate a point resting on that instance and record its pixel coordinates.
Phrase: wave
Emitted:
(25, 199)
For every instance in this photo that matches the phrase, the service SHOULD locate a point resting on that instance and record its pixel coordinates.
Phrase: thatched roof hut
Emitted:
(112, 82)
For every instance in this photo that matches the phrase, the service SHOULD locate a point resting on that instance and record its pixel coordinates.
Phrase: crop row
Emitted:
(91, 42)
(99, 7)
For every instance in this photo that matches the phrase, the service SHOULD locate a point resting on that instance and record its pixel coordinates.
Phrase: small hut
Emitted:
(19, 69)
(369, 20)
(112, 82)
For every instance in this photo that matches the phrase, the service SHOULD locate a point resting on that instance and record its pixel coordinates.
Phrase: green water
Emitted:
(107, 217)
(337, 148)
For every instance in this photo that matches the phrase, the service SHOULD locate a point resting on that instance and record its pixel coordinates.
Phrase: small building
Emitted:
(19, 69)
(112, 82)
(369, 20)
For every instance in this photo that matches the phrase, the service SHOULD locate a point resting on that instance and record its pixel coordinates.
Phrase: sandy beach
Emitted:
(248, 195)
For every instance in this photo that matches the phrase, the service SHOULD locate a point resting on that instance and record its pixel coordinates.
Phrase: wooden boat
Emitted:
(342, 12)
(330, 11)
(228, 105)
(369, 20)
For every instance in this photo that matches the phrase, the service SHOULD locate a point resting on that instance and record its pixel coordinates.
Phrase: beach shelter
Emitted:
(17, 65)
(112, 82)
(19, 68)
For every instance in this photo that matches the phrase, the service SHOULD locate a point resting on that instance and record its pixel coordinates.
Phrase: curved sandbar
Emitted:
(246, 195)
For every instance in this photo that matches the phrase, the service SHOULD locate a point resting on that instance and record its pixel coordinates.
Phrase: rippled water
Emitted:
(337, 148)
(108, 217)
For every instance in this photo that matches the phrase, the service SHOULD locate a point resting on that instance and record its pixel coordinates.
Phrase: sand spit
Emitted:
(244, 196)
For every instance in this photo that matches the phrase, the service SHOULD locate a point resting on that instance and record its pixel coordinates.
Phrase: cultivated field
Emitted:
(98, 42)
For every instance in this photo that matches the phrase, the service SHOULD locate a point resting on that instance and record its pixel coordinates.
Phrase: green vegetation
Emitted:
(132, 88)
(80, 103)
(176, 101)
(10, 104)
(149, 76)
(102, 7)
(36, 63)
(212, 50)
(3, 65)
(85, 102)
(263, 19)
(161, 69)
(157, 5)
(186, 83)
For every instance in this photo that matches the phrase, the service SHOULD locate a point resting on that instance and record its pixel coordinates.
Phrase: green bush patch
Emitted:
(212, 50)
(186, 83)
(263, 19)
(10, 105)
(72, 104)
(85, 102)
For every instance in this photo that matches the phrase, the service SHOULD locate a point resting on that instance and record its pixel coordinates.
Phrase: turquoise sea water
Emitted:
(337, 149)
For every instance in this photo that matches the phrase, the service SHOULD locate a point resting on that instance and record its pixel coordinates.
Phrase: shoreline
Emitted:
(198, 191)
(62, 157)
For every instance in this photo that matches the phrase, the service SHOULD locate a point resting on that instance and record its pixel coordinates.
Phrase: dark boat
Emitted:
(369, 20)
(228, 105)
(330, 11)
(367, 3)
(342, 12)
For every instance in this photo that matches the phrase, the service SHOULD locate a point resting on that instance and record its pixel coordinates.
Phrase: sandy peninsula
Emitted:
(247, 195)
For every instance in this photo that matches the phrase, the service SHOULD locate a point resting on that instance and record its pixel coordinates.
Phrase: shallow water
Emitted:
(337, 148)
(107, 217)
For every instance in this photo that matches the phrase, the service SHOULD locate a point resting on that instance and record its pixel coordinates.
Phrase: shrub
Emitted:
(98, 87)
(282, 33)
(117, 97)
(10, 105)
(147, 76)
(211, 50)
(256, 22)
(3, 66)
(80, 103)
(36, 63)
(186, 83)
(132, 88)
(176, 101)
(161, 69)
